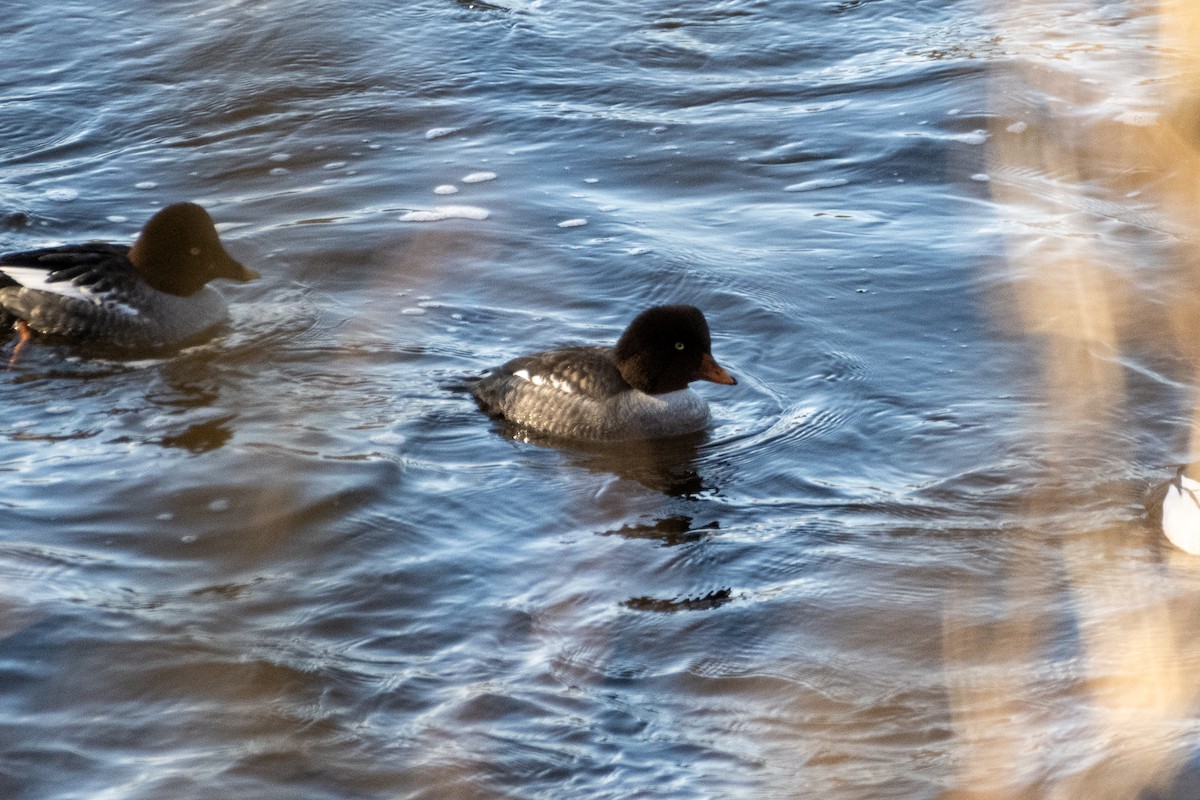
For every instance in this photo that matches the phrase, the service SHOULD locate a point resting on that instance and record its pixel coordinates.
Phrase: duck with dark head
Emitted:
(151, 295)
(637, 389)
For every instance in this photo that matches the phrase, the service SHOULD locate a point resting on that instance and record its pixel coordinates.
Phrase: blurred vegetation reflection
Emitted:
(1094, 170)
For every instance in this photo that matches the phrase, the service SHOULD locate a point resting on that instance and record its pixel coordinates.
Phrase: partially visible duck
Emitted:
(635, 390)
(1181, 513)
(154, 294)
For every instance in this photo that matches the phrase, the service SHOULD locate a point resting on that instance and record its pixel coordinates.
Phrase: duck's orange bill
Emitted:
(710, 370)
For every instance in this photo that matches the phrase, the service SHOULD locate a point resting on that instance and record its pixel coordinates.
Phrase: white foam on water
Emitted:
(815, 184)
(388, 438)
(974, 137)
(445, 188)
(573, 223)
(479, 177)
(439, 213)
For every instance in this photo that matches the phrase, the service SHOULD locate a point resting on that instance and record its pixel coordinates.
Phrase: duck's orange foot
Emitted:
(23, 337)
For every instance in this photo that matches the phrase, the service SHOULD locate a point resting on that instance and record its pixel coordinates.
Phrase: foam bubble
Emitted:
(145, 185)
(573, 223)
(388, 438)
(445, 188)
(1018, 127)
(815, 184)
(479, 177)
(438, 133)
(438, 213)
(974, 137)
(62, 195)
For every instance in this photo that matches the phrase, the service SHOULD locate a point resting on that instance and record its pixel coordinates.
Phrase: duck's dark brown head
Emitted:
(667, 347)
(179, 251)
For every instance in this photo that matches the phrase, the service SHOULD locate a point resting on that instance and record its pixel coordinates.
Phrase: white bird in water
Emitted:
(1181, 513)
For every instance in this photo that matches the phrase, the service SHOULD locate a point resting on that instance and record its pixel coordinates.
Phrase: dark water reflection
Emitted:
(669, 466)
(942, 245)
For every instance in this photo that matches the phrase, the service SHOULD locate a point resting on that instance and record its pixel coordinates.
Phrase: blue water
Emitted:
(938, 244)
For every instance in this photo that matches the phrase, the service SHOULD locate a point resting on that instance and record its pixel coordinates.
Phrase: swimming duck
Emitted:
(1181, 513)
(635, 390)
(154, 294)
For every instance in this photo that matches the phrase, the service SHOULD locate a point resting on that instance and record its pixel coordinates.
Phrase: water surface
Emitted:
(942, 245)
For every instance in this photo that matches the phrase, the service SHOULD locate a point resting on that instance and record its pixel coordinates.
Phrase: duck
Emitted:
(1181, 512)
(152, 295)
(636, 389)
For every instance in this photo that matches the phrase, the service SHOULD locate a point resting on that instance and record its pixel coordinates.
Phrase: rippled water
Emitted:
(944, 246)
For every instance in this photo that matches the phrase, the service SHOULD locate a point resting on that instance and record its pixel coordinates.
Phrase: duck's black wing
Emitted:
(96, 266)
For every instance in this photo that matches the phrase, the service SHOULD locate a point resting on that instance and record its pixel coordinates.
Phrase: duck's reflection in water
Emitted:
(663, 605)
(670, 531)
(668, 466)
(202, 437)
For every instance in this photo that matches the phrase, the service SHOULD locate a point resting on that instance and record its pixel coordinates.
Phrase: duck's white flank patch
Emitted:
(543, 380)
(32, 278)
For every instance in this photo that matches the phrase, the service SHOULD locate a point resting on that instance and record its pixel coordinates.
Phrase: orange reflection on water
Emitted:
(1096, 176)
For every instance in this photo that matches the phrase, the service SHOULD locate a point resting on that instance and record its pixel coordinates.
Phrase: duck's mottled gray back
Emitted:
(89, 293)
(578, 393)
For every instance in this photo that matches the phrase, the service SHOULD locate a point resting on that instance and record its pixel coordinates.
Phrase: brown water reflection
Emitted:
(1095, 167)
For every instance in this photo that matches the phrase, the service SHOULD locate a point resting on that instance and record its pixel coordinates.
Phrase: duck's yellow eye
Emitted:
(680, 345)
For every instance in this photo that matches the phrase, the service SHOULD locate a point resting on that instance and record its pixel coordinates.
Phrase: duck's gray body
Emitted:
(579, 393)
(91, 293)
